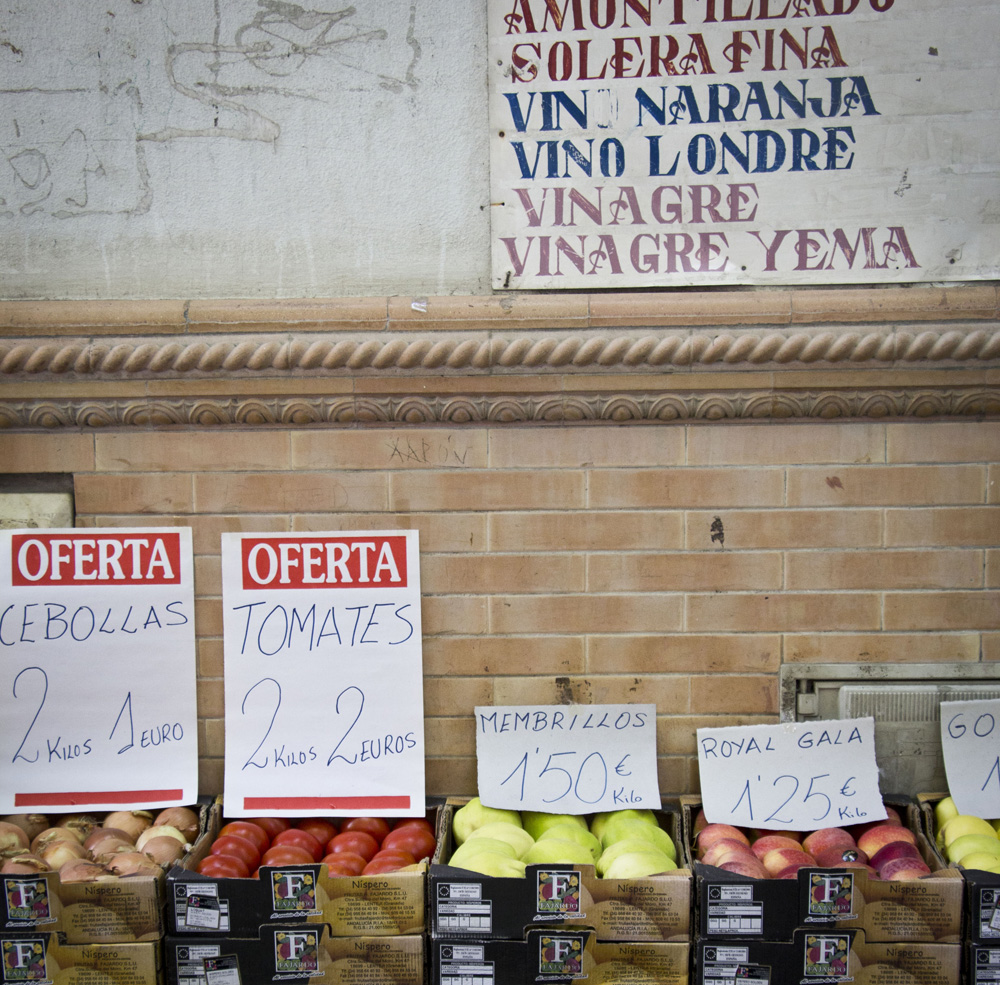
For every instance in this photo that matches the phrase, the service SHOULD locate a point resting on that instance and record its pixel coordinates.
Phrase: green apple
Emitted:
(600, 819)
(628, 846)
(557, 851)
(475, 814)
(536, 822)
(475, 846)
(638, 865)
(517, 837)
(629, 827)
(573, 832)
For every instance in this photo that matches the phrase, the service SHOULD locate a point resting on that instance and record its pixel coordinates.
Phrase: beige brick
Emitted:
(993, 484)
(214, 742)
(692, 572)
(991, 646)
(698, 308)
(678, 654)
(586, 531)
(445, 616)
(208, 575)
(881, 648)
(283, 492)
(585, 447)
(389, 449)
(886, 485)
(456, 695)
(972, 526)
(678, 735)
(503, 655)
(755, 695)
(685, 488)
(210, 658)
(453, 776)
(777, 612)
(677, 775)
(207, 530)
(993, 569)
(669, 694)
(164, 492)
(942, 610)
(285, 315)
(883, 569)
(191, 451)
(208, 616)
(590, 613)
(785, 444)
(211, 699)
(502, 573)
(486, 490)
(439, 532)
(447, 736)
(930, 441)
(780, 528)
(210, 777)
(60, 452)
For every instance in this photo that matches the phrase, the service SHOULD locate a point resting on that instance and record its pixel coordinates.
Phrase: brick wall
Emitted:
(675, 564)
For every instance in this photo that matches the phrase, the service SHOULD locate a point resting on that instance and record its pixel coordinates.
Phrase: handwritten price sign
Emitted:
(567, 759)
(97, 669)
(324, 683)
(970, 743)
(799, 776)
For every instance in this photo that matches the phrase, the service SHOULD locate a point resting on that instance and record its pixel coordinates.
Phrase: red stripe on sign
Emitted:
(83, 798)
(321, 803)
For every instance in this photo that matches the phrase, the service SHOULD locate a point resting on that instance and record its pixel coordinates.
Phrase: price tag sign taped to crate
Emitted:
(797, 776)
(970, 744)
(323, 674)
(98, 707)
(567, 759)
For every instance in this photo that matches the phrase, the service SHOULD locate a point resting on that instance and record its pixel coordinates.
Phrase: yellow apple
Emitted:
(573, 832)
(965, 824)
(965, 844)
(557, 851)
(515, 836)
(599, 820)
(475, 814)
(475, 846)
(638, 865)
(986, 861)
(536, 822)
(626, 846)
(629, 827)
(944, 811)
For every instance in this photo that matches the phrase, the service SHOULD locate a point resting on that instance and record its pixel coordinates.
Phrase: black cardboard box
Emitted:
(296, 953)
(40, 957)
(732, 906)
(465, 904)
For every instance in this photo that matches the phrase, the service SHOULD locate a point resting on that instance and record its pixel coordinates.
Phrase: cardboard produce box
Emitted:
(378, 905)
(733, 906)
(40, 957)
(829, 954)
(469, 904)
(296, 953)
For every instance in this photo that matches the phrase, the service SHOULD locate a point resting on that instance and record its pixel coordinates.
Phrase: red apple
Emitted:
(751, 867)
(766, 843)
(781, 858)
(899, 869)
(700, 821)
(894, 849)
(790, 871)
(765, 832)
(713, 832)
(874, 838)
(818, 841)
(892, 817)
(724, 850)
(832, 858)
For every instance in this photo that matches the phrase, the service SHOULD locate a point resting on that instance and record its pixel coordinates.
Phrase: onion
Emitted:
(31, 824)
(82, 870)
(133, 823)
(50, 835)
(163, 849)
(183, 819)
(58, 853)
(130, 863)
(103, 840)
(13, 836)
(157, 831)
(23, 863)
(83, 824)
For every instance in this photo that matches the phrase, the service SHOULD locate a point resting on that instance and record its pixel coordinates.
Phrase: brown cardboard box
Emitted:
(41, 957)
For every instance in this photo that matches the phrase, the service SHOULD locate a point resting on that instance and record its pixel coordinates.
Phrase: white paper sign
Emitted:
(567, 759)
(324, 678)
(98, 669)
(797, 776)
(970, 743)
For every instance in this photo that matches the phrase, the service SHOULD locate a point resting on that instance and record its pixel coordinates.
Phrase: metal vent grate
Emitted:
(907, 702)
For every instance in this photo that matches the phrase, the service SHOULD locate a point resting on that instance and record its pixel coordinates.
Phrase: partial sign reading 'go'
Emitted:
(98, 669)
(567, 759)
(798, 776)
(970, 743)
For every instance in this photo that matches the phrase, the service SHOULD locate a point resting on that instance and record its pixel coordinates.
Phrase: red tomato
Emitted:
(344, 863)
(223, 867)
(319, 827)
(241, 848)
(286, 855)
(377, 827)
(272, 825)
(420, 822)
(388, 860)
(301, 839)
(250, 831)
(413, 839)
(359, 842)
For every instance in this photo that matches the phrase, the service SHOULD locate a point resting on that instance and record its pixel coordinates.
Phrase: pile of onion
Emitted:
(85, 848)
